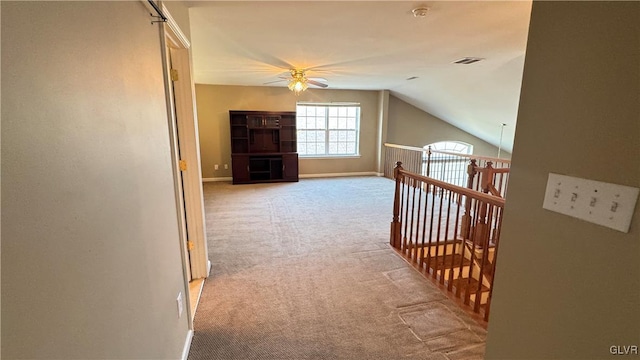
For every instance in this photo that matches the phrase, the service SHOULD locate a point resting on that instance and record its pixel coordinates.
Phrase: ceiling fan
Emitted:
(299, 82)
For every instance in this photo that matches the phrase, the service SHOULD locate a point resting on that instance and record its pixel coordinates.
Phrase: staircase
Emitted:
(457, 267)
(450, 234)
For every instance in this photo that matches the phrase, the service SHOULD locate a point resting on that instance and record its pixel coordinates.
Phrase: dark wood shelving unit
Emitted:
(263, 146)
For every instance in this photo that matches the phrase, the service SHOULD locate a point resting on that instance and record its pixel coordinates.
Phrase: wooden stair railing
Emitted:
(450, 234)
(481, 173)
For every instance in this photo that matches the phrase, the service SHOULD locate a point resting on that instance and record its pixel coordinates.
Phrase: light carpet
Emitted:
(304, 271)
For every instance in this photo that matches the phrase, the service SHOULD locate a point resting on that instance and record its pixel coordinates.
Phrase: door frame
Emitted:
(185, 145)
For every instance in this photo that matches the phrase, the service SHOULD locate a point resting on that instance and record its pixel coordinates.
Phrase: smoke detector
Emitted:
(420, 12)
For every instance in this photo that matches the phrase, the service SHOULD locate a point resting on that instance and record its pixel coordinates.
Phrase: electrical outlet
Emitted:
(180, 306)
(226, 166)
(215, 167)
(601, 203)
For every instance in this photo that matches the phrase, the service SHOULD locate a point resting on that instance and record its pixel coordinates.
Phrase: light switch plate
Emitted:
(601, 203)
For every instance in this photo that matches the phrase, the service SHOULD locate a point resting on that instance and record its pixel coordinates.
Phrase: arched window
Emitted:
(452, 146)
(448, 167)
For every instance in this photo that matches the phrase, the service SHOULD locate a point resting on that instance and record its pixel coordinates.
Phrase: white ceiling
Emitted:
(372, 46)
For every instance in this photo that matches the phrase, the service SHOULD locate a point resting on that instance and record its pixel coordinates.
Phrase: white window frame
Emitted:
(452, 146)
(328, 131)
(455, 164)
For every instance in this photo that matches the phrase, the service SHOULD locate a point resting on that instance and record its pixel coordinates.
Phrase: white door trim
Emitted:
(188, 139)
(189, 142)
(184, 142)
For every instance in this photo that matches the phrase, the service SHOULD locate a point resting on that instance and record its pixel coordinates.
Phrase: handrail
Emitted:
(489, 199)
(472, 156)
(469, 156)
(406, 147)
(449, 233)
(482, 173)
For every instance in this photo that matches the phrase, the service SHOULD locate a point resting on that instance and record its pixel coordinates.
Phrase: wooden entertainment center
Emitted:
(263, 146)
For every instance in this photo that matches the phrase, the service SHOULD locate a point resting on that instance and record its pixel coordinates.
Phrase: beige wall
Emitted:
(401, 124)
(214, 103)
(411, 126)
(180, 13)
(565, 288)
(91, 263)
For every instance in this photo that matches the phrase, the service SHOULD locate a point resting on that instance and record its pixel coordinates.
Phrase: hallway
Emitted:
(304, 271)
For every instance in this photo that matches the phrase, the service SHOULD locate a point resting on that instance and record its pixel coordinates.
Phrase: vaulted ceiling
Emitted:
(374, 46)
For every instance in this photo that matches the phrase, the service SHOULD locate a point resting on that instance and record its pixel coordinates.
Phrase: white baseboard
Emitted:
(366, 173)
(187, 345)
(308, 176)
(217, 179)
(208, 268)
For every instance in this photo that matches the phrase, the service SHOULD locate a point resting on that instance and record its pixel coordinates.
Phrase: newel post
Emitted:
(471, 172)
(466, 217)
(487, 177)
(395, 223)
(428, 171)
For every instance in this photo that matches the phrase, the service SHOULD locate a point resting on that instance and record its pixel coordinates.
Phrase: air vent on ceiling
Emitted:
(467, 60)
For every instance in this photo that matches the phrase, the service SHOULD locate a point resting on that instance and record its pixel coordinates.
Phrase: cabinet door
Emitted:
(255, 121)
(264, 141)
(290, 167)
(240, 168)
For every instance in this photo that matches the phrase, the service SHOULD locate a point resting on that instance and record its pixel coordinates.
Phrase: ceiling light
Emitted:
(298, 82)
(420, 11)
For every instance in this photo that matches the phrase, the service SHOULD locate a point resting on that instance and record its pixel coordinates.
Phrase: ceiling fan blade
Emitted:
(317, 79)
(274, 81)
(316, 83)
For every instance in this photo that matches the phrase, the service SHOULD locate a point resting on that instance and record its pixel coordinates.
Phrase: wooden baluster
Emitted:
(405, 219)
(485, 253)
(500, 183)
(412, 247)
(506, 182)
(463, 242)
(446, 237)
(417, 247)
(454, 248)
(430, 243)
(395, 223)
(475, 235)
(424, 226)
(493, 265)
(435, 267)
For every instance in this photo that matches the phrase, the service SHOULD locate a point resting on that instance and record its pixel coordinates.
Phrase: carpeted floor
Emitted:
(304, 271)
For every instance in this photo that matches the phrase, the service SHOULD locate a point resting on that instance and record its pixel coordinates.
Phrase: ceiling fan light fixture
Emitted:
(298, 82)
(298, 86)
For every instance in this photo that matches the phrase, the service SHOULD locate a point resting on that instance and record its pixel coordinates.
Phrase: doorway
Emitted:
(185, 152)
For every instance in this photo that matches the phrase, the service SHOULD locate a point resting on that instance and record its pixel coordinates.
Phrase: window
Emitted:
(448, 167)
(452, 146)
(326, 130)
